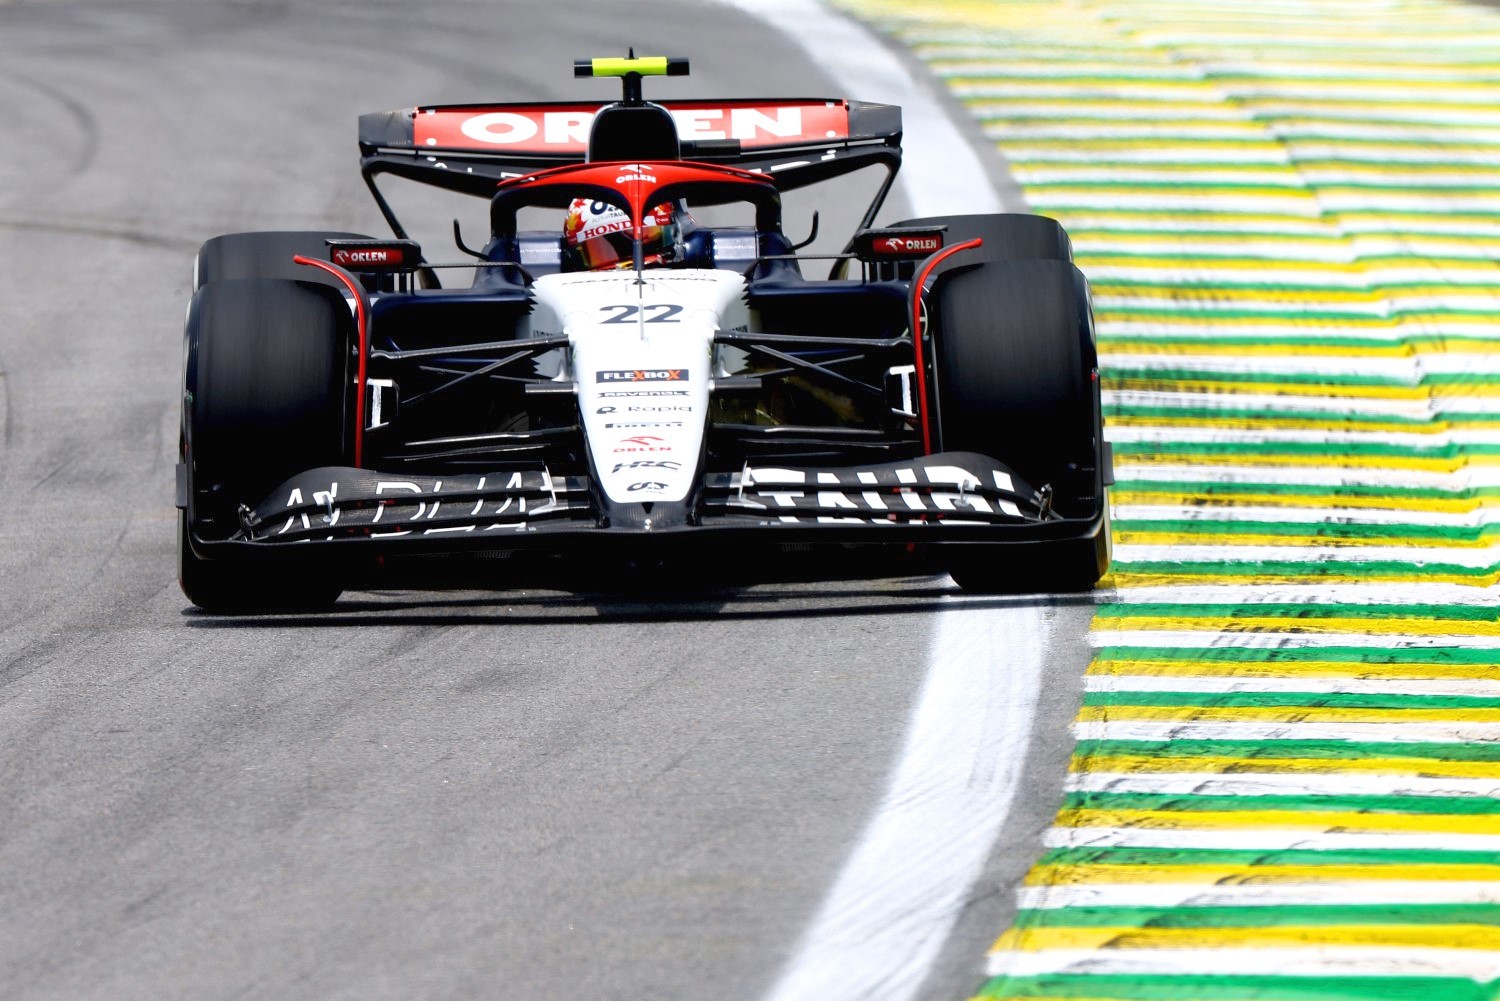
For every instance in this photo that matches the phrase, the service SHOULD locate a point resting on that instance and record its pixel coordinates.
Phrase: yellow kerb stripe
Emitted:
(1121, 576)
(1287, 714)
(1288, 669)
(1426, 465)
(1208, 349)
(1455, 936)
(1288, 624)
(1240, 766)
(1229, 387)
(1262, 264)
(1319, 820)
(1271, 292)
(1333, 422)
(1249, 875)
(1449, 505)
(1208, 537)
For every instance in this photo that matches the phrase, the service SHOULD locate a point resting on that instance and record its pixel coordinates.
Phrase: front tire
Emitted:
(1015, 371)
(264, 399)
(226, 586)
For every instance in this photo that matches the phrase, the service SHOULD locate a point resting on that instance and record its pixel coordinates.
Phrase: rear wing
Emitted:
(470, 148)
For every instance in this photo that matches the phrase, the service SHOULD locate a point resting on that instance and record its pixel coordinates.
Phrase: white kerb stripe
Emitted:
(1282, 784)
(1218, 684)
(1374, 593)
(1208, 639)
(1309, 961)
(1270, 730)
(1262, 839)
(1282, 894)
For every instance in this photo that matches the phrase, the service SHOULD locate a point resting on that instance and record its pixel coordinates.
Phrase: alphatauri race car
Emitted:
(629, 386)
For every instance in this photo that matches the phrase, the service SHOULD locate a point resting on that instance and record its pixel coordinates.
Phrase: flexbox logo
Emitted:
(642, 375)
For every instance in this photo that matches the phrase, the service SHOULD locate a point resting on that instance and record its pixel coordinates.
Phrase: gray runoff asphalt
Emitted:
(517, 794)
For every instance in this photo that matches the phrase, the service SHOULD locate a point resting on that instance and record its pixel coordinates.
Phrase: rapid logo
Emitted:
(642, 375)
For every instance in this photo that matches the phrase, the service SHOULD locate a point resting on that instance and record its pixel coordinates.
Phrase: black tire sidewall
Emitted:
(266, 381)
(1014, 366)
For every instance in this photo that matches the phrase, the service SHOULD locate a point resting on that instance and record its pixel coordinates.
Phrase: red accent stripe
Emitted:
(917, 332)
(364, 347)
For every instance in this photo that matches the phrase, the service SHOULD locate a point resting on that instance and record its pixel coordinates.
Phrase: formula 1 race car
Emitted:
(630, 385)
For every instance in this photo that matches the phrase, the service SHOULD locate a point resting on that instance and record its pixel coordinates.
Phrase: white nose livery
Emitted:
(643, 359)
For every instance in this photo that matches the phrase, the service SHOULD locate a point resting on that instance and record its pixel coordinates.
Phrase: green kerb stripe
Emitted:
(1260, 570)
(1390, 534)
(1260, 917)
(1306, 700)
(1303, 378)
(1229, 857)
(1466, 806)
(1405, 347)
(1470, 613)
(1251, 750)
(1304, 448)
(1330, 654)
(1331, 419)
(1224, 987)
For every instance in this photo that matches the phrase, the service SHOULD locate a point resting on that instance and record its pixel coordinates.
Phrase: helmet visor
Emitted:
(612, 250)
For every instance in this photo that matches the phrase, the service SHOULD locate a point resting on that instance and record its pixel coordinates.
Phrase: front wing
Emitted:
(950, 498)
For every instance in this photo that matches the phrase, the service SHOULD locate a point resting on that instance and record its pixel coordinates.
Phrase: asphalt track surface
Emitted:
(517, 794)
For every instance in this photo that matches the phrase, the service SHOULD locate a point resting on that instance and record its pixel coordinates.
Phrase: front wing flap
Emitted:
(958, 496)
(334, 502)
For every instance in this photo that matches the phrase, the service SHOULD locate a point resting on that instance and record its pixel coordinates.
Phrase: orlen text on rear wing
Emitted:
(469, 148)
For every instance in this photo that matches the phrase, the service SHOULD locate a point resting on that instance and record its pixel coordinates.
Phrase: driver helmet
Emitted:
(596, 236)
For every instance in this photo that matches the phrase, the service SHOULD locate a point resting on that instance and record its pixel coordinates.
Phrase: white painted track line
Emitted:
(895, 902)
(898, 896)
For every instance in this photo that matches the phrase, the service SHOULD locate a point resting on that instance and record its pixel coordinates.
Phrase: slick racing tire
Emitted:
(265, 255)
(1008, 236)
(1015, 378)
(225, 586)
(264, 399)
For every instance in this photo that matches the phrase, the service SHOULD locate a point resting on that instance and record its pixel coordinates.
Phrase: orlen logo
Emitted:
(643, 443)
(382, 256)
(902, 245)
(636, 172)
(520, 128)
(642, 375)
